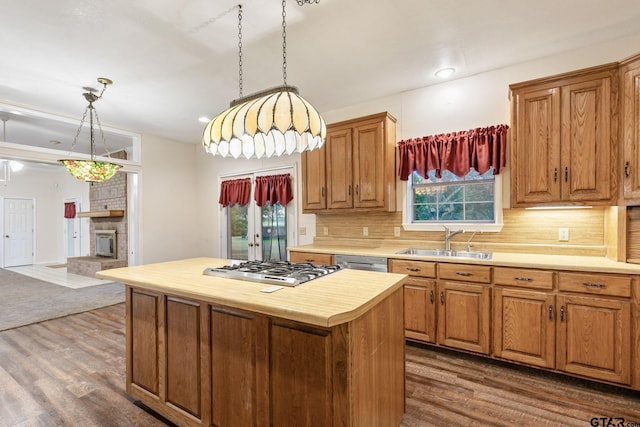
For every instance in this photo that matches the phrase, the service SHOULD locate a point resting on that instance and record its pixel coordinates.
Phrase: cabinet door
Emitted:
(239, 366)
(143, 343)
(524, 326)
(368, 165)
(630, 116)
(187, 375)
(594, 337)
(339, 149)
(301, 377)
(587, 146)
(314, 191)
(463, 316)
(536, 154)
(420, 309)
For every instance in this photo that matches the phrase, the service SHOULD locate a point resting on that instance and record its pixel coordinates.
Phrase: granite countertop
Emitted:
(328, 301)
(520, 260)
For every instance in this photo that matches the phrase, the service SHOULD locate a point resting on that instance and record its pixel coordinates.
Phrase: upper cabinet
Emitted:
(354, 170)
(564, 139)
(630, 128)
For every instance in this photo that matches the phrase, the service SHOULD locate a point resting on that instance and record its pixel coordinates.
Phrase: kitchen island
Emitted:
(216, 351)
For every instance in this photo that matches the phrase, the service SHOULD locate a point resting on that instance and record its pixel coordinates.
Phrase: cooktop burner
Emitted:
(273, 272)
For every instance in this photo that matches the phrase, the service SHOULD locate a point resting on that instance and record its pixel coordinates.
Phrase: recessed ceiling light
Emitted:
(443, 73)
(204, 119)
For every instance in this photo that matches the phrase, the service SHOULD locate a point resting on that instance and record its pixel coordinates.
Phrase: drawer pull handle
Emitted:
(442, 298)
(626, 168)
(566, 174)
(431, 296)
(462, 273)
(555, 175)
(413, 269)
(309, 259)
(595, 285)
(550, 312)
(524, 279)
(562, 313)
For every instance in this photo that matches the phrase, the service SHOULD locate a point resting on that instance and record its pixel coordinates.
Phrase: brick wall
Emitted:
(111, 195)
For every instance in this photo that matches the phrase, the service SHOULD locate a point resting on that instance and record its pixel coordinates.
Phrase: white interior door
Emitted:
(73, 233)
(18, 232)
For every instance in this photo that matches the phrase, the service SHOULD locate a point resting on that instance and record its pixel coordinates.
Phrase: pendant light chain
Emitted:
(240, 49)
(284, 42)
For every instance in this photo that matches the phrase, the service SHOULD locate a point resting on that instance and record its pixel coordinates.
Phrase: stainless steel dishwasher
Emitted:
(357, 262)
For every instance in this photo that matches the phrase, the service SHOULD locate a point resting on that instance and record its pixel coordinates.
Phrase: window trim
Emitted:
(494, 227)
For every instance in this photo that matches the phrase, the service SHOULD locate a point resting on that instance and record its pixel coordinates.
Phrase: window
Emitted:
(472, 202)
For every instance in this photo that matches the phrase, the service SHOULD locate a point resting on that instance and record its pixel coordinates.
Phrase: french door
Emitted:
(18, 232)
(259, 233)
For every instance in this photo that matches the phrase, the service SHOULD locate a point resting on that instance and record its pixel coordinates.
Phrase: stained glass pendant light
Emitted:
(91, 170)
(272, 122)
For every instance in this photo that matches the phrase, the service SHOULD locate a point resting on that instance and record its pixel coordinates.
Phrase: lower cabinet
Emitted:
(594, 338)
(464, 316)
(524, 326)
(581, 324)
(199, 364)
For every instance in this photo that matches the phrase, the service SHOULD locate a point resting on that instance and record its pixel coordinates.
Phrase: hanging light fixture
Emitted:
(91, 170)
(269, 123)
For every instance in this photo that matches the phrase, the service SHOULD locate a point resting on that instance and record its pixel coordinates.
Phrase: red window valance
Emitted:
(273, 189)
(457, 152)
(70, 210)
(235, 191)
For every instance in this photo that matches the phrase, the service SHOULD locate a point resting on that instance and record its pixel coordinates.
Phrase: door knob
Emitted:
(6, 235)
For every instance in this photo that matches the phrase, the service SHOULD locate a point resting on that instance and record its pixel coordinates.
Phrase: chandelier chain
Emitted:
(284, 41)
(240, 48)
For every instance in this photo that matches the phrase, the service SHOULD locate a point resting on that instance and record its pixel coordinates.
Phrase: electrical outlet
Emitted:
(563, 234)
(325, 231)
(396, 231)
(365, 231)
(302, 231)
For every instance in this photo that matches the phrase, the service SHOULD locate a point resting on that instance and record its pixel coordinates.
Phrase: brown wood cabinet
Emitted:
(201, 364)
(419, 298)
(313, 258)
(630, 128)
(355, 169)
(564, 138)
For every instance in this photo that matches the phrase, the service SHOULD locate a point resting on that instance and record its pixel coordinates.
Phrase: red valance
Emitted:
(274, 189)
(235, 191)
(457, 152)
(70, 210)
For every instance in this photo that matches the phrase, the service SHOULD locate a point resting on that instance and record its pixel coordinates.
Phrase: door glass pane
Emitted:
(274, 232)
(238, 232)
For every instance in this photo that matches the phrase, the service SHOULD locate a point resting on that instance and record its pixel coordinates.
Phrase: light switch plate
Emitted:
(365, 231)
(396, 231)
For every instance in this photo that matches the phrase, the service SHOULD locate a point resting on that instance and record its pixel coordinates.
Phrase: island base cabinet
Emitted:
(167, 352)
(200, 364)
(593, 339)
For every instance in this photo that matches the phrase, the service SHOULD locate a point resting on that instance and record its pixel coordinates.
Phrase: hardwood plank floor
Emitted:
(71, 372)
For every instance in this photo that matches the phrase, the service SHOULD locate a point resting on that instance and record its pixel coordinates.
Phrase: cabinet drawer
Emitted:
(523, 278)
(313, 258)
(465, 272)
(412, 268)
(600, 284)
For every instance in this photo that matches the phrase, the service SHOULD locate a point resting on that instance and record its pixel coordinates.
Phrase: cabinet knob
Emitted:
(626, 168)
(550, 312)
(442, 298)
(431, 296)
(555, 175)
(566, 174)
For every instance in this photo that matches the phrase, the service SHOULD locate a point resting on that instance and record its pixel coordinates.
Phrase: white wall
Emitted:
(49, 187)
(170, 210)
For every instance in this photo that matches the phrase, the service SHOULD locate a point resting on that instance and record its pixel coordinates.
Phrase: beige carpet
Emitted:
(25, 300)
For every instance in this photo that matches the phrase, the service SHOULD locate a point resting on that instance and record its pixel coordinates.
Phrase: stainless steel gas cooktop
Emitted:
(281, 273)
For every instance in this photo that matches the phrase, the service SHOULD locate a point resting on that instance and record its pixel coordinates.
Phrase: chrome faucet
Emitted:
(447, 237)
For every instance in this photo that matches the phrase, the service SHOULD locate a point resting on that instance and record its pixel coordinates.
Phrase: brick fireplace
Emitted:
(107, 211)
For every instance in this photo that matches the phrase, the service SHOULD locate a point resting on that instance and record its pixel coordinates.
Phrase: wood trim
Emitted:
(100, 214)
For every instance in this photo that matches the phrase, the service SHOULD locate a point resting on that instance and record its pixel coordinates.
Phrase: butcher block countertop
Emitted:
(328, 301)
(521, 260)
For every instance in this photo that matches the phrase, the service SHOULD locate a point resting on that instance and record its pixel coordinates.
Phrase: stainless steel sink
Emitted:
(444, 253)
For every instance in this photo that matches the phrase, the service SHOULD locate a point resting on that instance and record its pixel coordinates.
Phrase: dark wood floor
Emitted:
(70, 372)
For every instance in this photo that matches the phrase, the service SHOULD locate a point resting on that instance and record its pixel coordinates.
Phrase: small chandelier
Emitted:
(269, 123)
(91, 170)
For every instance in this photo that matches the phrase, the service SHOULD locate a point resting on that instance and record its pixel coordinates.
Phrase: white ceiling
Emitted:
(173, 61)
